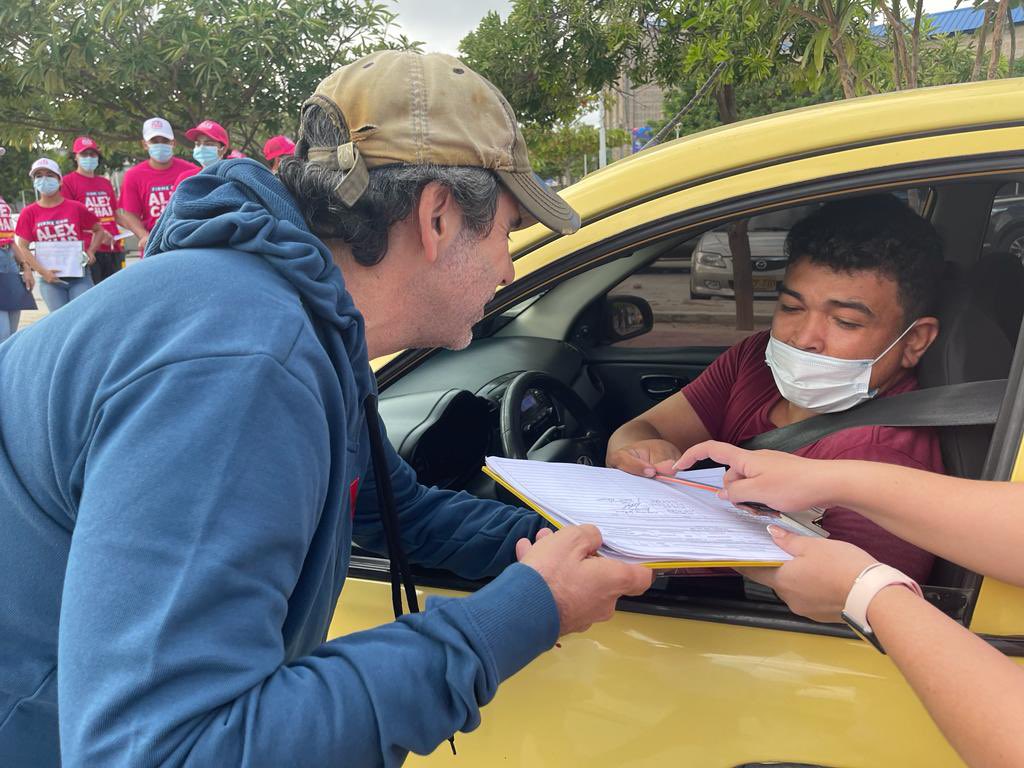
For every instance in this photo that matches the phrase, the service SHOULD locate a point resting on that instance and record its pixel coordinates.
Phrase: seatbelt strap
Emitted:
(953, 405)
(399, 565)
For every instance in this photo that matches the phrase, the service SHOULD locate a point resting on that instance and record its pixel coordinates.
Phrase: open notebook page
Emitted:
(639, 517)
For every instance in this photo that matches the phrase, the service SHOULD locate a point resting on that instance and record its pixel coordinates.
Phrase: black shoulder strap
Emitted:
(401, 574)
(953, 405)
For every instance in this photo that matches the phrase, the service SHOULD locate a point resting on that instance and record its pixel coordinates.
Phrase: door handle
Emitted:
(660, 386)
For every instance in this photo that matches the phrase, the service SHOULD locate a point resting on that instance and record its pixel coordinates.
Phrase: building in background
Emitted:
(634, 109)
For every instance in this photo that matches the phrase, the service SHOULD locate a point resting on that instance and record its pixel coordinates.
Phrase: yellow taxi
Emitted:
(600, 325)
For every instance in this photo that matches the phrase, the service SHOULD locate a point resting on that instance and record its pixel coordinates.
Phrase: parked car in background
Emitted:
(711, 273)
(1006, 224)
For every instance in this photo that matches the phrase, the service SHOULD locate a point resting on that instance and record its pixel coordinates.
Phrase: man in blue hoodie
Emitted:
(185, 457)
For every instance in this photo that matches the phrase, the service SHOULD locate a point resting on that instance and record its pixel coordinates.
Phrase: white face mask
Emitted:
(821, 383)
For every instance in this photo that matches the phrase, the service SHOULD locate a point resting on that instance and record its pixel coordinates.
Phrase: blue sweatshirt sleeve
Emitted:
(201, 497)
(474, 538)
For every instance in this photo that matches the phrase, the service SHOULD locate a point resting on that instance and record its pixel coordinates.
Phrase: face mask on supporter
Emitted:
(821, 383)
(46, 185)
(205, 155)
(88, 164)
(161, 152)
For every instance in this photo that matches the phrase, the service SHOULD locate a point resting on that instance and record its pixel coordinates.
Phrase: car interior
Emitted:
(566, 356)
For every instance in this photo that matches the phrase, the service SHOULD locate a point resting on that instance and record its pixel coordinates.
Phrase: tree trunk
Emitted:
(846, 77)
(900, 57)
(997, 39)
(979, 51)
(725, 96)
(739, 243)
(1013, 44)
(915, 44)
(897, 61)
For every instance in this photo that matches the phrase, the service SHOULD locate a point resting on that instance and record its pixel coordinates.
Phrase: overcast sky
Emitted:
(441, 24)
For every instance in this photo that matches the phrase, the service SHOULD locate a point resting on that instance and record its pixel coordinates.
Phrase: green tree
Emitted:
(839, 32)
(559, 152)
(552, 57)
(104, 66)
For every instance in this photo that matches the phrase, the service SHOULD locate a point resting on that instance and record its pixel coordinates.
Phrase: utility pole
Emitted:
(602, 137)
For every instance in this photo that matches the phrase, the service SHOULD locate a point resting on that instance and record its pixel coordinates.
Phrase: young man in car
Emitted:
(196, 453)
(854, 317)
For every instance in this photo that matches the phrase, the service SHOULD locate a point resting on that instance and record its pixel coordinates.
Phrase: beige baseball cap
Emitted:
(411, 108)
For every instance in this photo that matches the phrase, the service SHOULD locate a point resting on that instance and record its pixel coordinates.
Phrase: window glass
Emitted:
(1006, 224)
(692, 290)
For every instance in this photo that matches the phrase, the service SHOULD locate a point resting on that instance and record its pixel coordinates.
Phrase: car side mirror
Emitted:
(626, 317)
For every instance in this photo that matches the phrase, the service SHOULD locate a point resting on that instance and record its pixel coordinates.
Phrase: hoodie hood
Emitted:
(241, 206)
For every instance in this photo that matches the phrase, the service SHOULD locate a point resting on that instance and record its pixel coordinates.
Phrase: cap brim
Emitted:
(161, 134)
(540, 202)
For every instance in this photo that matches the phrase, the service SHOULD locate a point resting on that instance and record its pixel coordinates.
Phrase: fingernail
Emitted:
(776, 532)
(649, 472)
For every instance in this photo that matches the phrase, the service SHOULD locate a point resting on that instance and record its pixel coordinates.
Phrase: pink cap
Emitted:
(277, 146)
(83, 143)
(234, 154)
(209, 128)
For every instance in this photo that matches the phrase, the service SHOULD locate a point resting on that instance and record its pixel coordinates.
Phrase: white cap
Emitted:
(48, 164)
(157, 126)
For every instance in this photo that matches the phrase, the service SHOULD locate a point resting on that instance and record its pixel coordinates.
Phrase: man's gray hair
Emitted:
(390, 197)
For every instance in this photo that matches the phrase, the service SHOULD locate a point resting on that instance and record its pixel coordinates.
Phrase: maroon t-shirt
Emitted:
(733, 398)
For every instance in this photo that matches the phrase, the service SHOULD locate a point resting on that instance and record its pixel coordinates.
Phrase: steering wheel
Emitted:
(555, 444)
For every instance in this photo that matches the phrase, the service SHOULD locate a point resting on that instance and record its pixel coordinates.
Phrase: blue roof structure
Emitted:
(954, 22)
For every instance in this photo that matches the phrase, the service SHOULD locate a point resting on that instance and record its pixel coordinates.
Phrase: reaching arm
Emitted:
(21, 246)
(643, 445)
(198, 581)
(973, 692)
(130, 221)
(972, 522)
(472, 537)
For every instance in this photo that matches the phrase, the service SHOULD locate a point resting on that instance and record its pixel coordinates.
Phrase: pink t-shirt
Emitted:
(96, 194)
(733, 399)
(192, 171)
(68, 221)
(146, 190)
(6, 224)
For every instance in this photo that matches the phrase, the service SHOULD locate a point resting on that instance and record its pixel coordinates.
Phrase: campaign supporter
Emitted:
(853, 319)
(972, 690)
(9, 317)
(96, 193)
(276, 148)
(54, 218)
(148, 186)
(211, 144)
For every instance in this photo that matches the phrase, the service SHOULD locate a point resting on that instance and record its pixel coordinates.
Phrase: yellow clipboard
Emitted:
(656, 566)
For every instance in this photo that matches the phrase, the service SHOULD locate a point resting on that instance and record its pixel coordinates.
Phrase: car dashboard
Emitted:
(443, 417)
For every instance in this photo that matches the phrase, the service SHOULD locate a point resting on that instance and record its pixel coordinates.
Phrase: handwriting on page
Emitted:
(641, 517)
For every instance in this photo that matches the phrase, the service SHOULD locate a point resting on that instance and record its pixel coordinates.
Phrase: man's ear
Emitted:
(437, 219)
(918, 339)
